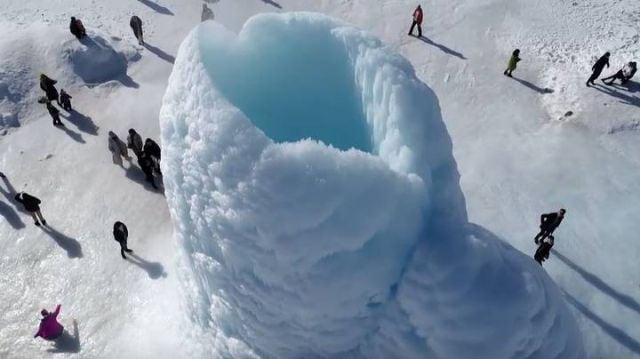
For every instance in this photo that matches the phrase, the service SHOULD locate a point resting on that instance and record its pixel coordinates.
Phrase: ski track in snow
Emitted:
(515, 158)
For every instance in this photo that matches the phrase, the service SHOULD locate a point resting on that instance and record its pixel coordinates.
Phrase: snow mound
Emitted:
(301, 249)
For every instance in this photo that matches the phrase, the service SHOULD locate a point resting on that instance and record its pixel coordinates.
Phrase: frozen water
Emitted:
(304, 250)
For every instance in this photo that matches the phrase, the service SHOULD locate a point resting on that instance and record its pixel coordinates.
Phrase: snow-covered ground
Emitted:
(515, 157)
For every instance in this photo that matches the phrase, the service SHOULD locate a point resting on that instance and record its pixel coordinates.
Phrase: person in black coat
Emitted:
(136, 26)
(32, 205)
(152, 149)
(55, 114)
(598, 67)
(146, 164)
(542, 253)
(548, 223)
(120, 234)
(48, 86)
(77, 28)
(65, 100)
(134, 142)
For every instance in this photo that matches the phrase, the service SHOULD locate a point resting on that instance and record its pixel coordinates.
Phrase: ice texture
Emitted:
(312, 184)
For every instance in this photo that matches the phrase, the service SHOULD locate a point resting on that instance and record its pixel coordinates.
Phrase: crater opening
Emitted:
(293, 85)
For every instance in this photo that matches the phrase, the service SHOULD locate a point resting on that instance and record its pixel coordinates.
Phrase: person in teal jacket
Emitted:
(513, 62)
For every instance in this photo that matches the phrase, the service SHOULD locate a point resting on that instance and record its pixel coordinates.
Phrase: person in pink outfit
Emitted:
(49, 329)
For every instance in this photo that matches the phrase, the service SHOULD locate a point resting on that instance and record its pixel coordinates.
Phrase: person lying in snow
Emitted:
(624, 74)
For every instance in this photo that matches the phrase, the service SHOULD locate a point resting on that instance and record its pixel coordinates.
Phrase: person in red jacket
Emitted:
(49, 329)
(417, 20)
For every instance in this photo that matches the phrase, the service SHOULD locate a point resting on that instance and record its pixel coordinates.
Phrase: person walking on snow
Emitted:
(417, 21)
(134, 142)
(120, 234)
(542, 253)
(146, 164)
(118, 149)
(598, 67)
(32, 205)
(152, 149)
(55, 114)
(65, 100)
(48, 86)
(136, 26)
(207, 13)
(625, 74)
(513, 62)
(77, 28)
(548, 223)
(50, 329)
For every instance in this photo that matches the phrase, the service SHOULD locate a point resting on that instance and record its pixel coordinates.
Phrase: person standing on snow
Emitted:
(147, 166)
(417, 21)
(32, 205)
(55, 114)
(513, 62)
(548, 223)
(207, 13)
(598, 67)
(77, 28)
(48, 86)
(625, 74)
(50, 329)
(152, 149)
(542, 253)
(118, 149)
(136, 26)
(65, 100)
(120, 234)
(134, 142)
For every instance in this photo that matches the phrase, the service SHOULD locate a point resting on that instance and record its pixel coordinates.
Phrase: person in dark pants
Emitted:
(598, 67)
(32, 205)
(120, 234)
(65, 100)
(147, 166)
(513, 62)
(55, 114)
(624, 75)
(542, 253)
(548, 223)
(152, 149)
(48, 86)
(417, 21)
(136, 26)
(134, 142)
(77, 28)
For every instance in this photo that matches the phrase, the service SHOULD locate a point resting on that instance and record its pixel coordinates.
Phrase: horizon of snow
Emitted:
(300, 248)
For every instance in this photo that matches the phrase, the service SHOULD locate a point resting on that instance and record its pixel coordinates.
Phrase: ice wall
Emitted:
(302, 249)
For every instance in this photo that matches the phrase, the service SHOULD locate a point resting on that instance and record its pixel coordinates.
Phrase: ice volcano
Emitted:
(313, 188)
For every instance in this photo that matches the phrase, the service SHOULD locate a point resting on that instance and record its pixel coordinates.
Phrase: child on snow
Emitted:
(417, 21)
(513, 62)
(49, 328)
(65, 100)
(32, 205)
(120, 234)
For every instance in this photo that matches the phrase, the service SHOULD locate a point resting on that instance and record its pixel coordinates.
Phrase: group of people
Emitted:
(63, 99)
(148, 154)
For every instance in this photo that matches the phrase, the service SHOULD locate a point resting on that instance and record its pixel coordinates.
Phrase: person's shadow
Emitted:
(135, 174)
(82, 122)
(72, 246)
(442, 48)
(67, 343)
(161, 54)
(155, 270)
(272, 3)
(156, 7)
(74, 135)
(624, 98)
(7, 211)
(533, 87)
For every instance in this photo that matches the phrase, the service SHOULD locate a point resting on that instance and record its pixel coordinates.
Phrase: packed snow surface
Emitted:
(303, 245)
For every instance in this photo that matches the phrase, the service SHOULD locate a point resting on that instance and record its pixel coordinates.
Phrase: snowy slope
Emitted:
(516, 160)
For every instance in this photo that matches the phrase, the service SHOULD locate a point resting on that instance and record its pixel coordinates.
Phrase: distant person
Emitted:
(50, 329)
(417, 21)
(152, 149)
(2, 175)
(542, 253)
(134, 142)
(55, 114)
(624, 75)
(118, 149)
(207, 13)
(513, 62)
(76, 27)
(548, 223)
(598, 67)
(147, 166)
(48, 86)
(65, 100)
(136, 26)
(121, 234)
(32, 205)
